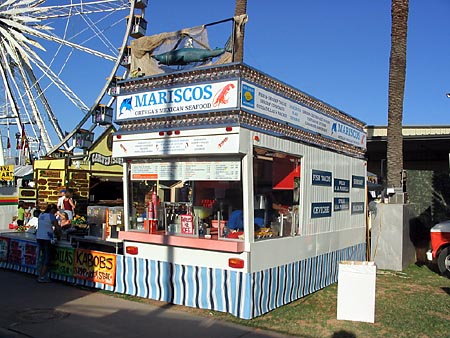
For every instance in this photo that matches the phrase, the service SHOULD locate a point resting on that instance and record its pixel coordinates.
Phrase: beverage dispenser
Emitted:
(115, 220)
(96, 218)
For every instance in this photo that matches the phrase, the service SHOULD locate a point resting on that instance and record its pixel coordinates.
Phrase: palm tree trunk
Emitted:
(397, 75)
(240, 8)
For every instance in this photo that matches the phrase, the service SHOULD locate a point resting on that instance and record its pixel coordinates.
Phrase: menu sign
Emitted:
(23, 253)
(95, 266)
(358, 208)
(341, 185)
(188, 171)
(358, 182)
(4, 249)
(62, 262)
(320, 177)
(187, 224)
(341, 203)
(319, 210)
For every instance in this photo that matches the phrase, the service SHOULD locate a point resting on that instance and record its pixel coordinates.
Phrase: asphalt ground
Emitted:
(57, 309)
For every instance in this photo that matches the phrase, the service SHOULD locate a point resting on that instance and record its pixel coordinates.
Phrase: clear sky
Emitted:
(337, 51)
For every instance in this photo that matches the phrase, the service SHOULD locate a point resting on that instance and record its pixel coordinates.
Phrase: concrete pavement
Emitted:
(41, 310)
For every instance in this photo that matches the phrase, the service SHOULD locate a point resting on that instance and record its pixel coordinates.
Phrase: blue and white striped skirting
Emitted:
(245, 295)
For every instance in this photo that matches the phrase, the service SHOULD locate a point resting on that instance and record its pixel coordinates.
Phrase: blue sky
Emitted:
(336, 51)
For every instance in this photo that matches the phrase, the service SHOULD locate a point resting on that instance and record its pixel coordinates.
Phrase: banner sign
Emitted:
(95, 266)
(358, 182)
(341, 185)
(201, 144)
(104, 160)
(341, 203)
(320, 210)
(62, 261)
(7, 172)
(4, 244)
(280, 108)
(358, 208)
(321, 178)
(23, 253)
(178, 100)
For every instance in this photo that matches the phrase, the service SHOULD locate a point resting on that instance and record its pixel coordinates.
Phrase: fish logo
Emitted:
(126, 104)
(248, 96)
(222, 96)
(334, 128)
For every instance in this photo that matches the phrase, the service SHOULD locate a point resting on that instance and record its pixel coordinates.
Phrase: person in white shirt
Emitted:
(32, 224)
(60, 203)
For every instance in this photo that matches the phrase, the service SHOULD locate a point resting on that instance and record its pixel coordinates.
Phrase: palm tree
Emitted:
(397, 75)
(240, 8)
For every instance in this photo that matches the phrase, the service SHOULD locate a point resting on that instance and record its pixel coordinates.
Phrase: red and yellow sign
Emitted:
(95, 266)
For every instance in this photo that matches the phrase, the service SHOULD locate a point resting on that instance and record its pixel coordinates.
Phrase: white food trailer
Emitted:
(241, 193)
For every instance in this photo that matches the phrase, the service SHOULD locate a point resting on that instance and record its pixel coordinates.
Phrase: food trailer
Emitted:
(241, 193)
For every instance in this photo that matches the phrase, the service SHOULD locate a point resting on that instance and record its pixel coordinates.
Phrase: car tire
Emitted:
(443, 261)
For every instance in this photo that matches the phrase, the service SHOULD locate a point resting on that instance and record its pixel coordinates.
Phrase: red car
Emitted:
(440, 247)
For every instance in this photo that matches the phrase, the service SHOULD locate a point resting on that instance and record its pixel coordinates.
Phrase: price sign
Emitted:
(187, 224)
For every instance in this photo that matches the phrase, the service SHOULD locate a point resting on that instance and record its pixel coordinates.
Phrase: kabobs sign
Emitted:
(95, 266)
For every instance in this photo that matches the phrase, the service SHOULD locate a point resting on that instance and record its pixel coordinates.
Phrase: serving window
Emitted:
(277, 193)
(192, 197)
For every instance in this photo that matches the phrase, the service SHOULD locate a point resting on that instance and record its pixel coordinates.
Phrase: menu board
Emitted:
(188, 171)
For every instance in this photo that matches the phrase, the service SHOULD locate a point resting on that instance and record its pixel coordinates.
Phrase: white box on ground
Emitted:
(356, 291)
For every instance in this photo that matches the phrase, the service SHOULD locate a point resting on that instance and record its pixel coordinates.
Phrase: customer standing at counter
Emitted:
(48, 227)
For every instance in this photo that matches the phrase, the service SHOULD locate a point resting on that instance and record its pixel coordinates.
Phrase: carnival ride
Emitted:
(52, 55)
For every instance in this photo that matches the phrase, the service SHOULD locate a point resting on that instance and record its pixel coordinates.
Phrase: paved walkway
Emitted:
(40, 310)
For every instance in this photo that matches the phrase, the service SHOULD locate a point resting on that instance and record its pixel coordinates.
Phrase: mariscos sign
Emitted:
(178, 100)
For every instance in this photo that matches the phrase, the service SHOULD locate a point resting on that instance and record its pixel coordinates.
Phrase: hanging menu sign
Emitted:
(188, 171)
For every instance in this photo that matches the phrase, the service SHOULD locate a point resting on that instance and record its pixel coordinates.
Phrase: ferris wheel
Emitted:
(58, 60)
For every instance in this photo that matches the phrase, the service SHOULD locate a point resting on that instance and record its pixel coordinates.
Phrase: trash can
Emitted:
(356, 291)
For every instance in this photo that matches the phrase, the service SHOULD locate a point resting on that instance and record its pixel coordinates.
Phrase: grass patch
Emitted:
(412, 303)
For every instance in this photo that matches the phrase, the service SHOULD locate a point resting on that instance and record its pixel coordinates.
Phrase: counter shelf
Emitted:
(111, 245)
(161, 238)
(30, 237)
